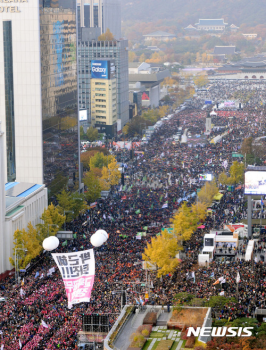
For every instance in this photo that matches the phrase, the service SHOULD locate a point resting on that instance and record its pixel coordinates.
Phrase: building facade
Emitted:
(38, 90)
(103, 97)
(104, 50)
(211, 24)
(104, 14)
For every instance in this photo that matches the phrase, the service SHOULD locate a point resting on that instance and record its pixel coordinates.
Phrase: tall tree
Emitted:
(28, 240)
(93, 187)
(92, 134)
(162, 251)
(236, 173)
(207, 192)
(71, 202)
(52, 222)
(106, 36)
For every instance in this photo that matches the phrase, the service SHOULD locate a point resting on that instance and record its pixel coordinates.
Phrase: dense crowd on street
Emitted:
(36, 315)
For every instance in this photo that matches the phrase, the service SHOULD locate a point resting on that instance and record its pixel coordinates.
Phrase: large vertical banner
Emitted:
(78, 271)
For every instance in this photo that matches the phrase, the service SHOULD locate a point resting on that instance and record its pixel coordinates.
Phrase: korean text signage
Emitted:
(77, 270)
(12, 8)
(101, 69)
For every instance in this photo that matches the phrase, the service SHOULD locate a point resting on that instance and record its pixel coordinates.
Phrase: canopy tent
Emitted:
(218, 197)
(213, 113)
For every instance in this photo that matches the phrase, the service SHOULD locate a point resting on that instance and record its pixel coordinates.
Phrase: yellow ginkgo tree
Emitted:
(162, 251)
(26, 240)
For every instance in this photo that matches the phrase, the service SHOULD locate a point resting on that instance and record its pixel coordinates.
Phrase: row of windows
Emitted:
(97, 83)
(101, 106)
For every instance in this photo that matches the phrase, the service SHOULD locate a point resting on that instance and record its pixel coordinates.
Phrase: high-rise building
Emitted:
(38, 90)
(103, 96)
(104, 14)
(116, 50)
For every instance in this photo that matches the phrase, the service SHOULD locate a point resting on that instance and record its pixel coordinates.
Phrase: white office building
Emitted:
(20, 203)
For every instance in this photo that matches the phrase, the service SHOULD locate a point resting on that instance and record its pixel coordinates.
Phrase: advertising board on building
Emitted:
(103, 69)
(255, 183)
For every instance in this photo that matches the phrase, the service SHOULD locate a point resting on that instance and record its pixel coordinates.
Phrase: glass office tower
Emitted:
(38, 91)
(59, 91)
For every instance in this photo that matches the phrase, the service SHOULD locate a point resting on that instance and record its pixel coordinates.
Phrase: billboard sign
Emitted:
(103, 69)
(255, 182)
(83, 115)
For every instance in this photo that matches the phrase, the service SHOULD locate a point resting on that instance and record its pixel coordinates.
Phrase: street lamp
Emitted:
(16, 263)
(67, 211)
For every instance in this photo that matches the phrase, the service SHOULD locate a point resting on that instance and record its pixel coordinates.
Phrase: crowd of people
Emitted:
(158, 180)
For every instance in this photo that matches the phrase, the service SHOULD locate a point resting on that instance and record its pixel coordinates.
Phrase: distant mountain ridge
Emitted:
(188, 12)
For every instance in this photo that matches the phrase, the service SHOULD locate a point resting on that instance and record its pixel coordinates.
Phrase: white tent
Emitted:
(213, 113)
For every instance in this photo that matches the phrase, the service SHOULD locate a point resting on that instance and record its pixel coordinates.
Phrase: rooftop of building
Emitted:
(129, 321)
(160, 33)
(224, 50)
(17, 192)
(211, 22)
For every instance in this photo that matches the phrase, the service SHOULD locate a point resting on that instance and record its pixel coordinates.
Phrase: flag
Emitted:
(74, 235)
(212, 275)
(145, 228)
(161, 198)
(262, 203)
(37, 274)
(137, 301)
(22, 292)
(238, 278)
(44, 324)
(138, 237)
(174, 200)
(166, 195)
(2, 347)
(22, 282)
(64, 243)
(81, 247)
(222, 293)
(84, 236)
(125, 197)
(165, 205)
(20, 345)
(152, 206)
(137, 211)
(141, 301)
(138, 191)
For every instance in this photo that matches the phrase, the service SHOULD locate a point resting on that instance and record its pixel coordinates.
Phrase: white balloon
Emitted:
(102, 233)
(97, 240)
(50, 243)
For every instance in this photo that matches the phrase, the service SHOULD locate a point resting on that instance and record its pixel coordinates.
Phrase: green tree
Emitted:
(71, 202)
(92, 134)
(60, 182)
(52, 217)
(99, 160)
(93, 187)
(81, 129)
(219, 301)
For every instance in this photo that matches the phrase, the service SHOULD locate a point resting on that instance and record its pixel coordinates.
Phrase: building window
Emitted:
(261, 77)
(246, 77)
(9, 101)
(254, 77)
